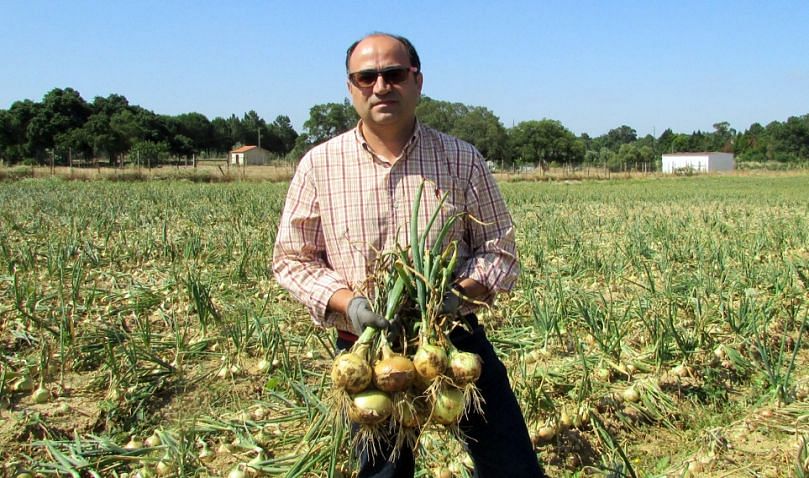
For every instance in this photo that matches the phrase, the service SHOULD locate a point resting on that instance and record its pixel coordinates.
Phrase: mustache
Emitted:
(375, 99)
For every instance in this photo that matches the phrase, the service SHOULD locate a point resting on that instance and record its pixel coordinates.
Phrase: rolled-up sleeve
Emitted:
(300, 262)
(490, 233)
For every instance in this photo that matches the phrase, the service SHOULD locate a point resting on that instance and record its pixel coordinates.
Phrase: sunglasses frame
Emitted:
(384, 72)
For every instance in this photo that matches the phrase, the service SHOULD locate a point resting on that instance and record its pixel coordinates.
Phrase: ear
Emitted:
(419, 80)
(348, 86)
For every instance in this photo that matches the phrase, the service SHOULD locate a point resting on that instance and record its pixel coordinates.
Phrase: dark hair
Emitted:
(411, 50)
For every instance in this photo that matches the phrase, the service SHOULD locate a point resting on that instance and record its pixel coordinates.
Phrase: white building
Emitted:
(249, 155)
(698, 162)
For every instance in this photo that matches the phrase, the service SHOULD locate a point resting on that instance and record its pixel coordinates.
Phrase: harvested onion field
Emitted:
(659, 328)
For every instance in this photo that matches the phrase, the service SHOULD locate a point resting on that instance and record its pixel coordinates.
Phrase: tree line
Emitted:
(63, 126)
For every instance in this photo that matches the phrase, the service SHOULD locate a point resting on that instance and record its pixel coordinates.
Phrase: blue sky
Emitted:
(593, 65)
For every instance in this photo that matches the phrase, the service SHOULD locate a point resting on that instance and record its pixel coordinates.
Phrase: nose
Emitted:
(381, 86)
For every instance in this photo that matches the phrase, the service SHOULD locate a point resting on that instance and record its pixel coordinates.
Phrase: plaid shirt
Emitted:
(345, 205)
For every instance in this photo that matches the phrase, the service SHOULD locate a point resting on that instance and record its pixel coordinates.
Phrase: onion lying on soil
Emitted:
(40, 395)
(153, 440)
(23, 384)
(631, 394)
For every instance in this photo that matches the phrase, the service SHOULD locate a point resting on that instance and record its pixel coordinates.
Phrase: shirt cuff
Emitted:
(323, 289)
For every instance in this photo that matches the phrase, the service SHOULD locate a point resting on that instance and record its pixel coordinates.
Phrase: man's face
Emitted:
(384, 104)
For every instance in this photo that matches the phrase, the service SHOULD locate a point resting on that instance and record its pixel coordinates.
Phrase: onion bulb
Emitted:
(133, 444)
(351, 372)
(442, 472)
(205, 454)
(254, 464)
(164, 467)
(23, 384)
(144, 472)
(236, 473)
(40, 395)
(630, 394)
(544, 434)
(409, 417)
(153, 440)
(465, 367)
(565, 420)
(449, 405)
(370, 407)
(430, 361)
(264, 365)
(682, 371)
(394, 373)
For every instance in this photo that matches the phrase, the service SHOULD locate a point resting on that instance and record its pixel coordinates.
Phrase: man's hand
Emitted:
(360, 314)
(451, 302)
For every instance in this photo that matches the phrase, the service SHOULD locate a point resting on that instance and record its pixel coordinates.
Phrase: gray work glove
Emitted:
(360, 314)
(451, 302)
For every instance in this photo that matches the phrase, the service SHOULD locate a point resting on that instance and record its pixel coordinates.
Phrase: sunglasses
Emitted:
(392, 76)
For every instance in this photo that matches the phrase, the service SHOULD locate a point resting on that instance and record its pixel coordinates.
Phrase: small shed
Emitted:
(707, 162)
(249, 155)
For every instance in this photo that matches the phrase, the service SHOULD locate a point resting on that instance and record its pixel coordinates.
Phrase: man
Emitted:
(351, 198)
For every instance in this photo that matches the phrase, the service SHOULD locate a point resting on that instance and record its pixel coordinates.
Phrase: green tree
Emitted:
(483, 129)
(545, 141)
(664, 142)
(225, 133)
(329, 120)
(254, 130)
(792, 139)
(101, 138)
(281, 129)
(617, 137)
(633, 156)
(196, 128)
(15, 142)
(60, 111)
(474, 124)
(148, 153)
(681, 143)
(723, 137)
(441, 115)
(748, 144)
(604, 157)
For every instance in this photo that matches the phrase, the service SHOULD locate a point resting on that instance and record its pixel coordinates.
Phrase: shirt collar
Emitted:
(417, 133)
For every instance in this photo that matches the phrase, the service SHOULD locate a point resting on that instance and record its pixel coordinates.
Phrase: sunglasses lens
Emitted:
(392, 76)
(395, 76)
(364, 79)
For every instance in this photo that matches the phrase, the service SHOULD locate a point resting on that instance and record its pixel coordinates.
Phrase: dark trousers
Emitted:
(497, 441)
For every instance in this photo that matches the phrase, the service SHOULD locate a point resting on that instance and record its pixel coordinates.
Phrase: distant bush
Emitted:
(15, 173)
(771, 165)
